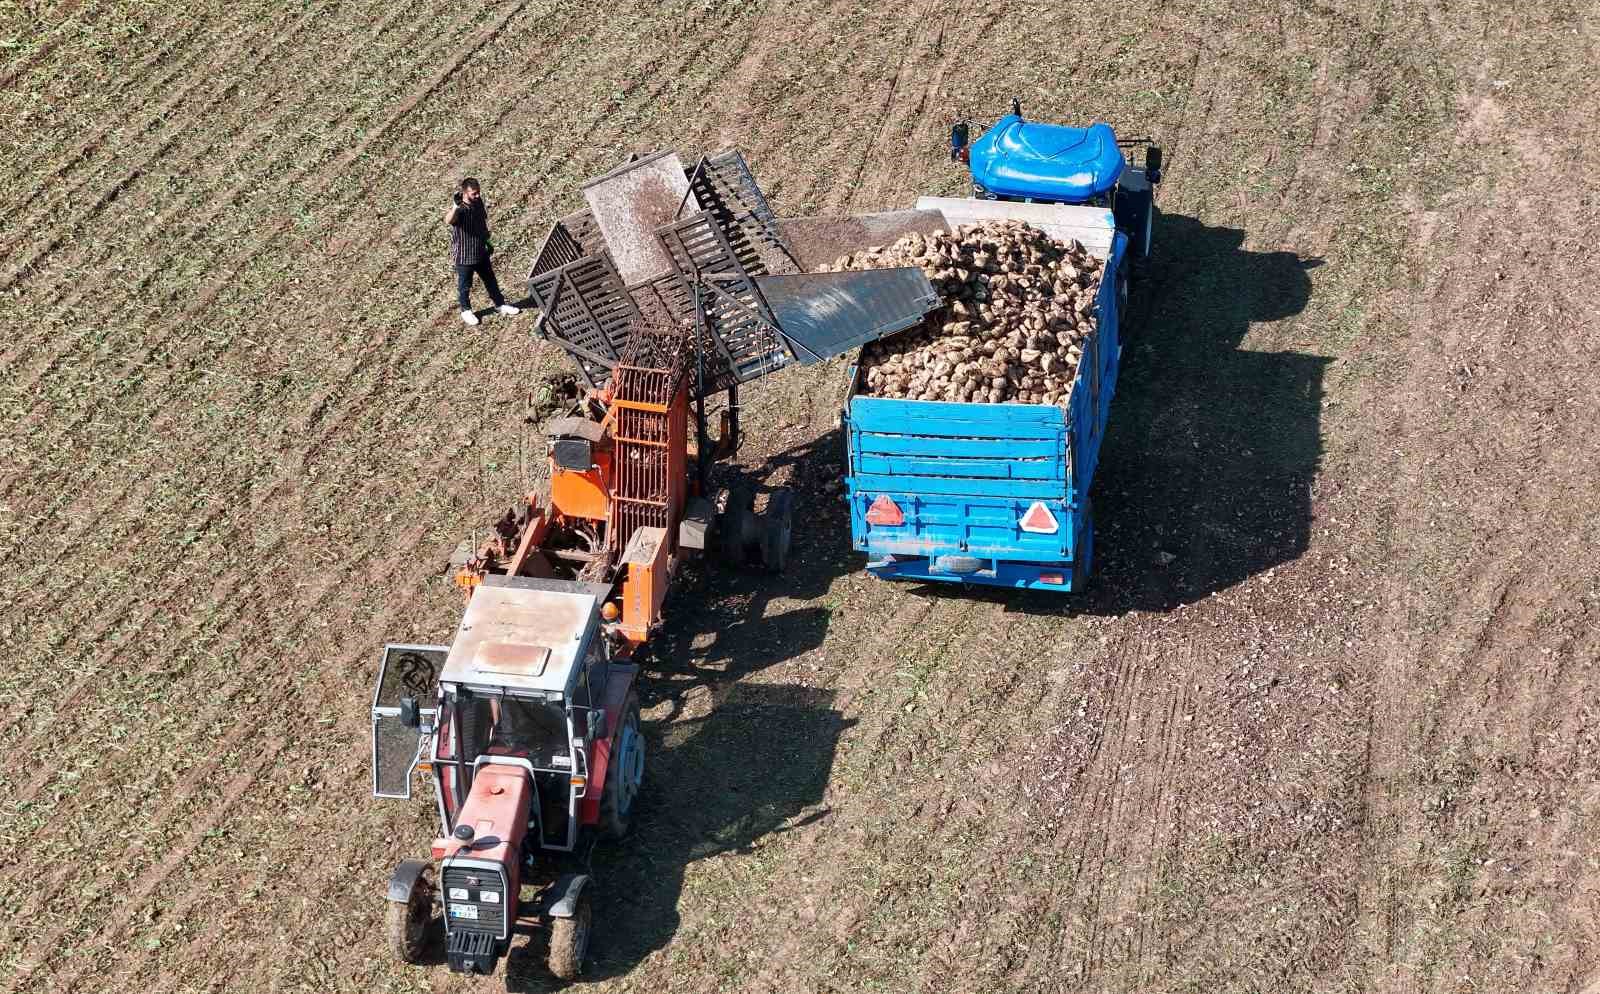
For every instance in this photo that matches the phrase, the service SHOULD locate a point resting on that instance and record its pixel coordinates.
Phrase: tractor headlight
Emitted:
(489, 896)
(458, 894)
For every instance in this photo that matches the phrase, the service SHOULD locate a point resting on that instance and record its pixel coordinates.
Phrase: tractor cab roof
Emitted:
(524, 636)
(1048, 162)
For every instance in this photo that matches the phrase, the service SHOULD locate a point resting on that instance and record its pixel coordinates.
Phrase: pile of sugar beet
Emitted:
(1020, 305)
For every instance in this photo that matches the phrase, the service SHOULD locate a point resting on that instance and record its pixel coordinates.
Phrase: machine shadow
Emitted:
(719, 624)
(1206, 474)
(1206, 470)
(698, 804)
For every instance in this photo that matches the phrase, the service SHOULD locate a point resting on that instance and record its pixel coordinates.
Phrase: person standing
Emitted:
(471, 251)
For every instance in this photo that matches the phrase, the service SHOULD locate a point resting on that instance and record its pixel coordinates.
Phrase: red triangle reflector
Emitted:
(885, 512)
(1039, 520)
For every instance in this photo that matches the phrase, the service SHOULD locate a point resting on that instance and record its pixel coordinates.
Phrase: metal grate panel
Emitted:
(585, 308)
(745, 343)
(724, 185)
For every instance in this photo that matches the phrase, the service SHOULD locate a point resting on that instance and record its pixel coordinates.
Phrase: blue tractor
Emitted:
(1035, 162)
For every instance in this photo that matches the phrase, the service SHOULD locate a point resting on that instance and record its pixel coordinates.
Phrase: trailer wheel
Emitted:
(411, 925)
(624, 773)
(777, 530)
(1083, 563)
(569, 940)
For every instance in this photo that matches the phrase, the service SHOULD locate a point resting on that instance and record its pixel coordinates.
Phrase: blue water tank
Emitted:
(1049, 162)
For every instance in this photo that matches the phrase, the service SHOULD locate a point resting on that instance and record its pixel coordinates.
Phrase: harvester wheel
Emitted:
(569, 940)
(411, 924)
(777, 529)
(737, 531)
(624, 773)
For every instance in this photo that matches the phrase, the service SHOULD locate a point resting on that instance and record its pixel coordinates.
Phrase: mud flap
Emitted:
(405, 878)
(563, 895)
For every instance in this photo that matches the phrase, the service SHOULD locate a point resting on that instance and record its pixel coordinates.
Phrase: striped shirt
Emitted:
(469, 235)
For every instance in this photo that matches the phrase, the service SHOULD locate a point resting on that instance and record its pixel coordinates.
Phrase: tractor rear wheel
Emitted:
(411, 925)
(569, 940)
(624, 772)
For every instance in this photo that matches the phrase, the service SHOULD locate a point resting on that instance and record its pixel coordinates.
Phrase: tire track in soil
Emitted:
(44, 51)
(113, 620)
(178, 127)
(1099, 798)
(1140, 863)
(176, 326)
(920, 21)
(873, 738)
(1387, 822)
(265, 128)
(330, 429)
(1164, 814)
(979, 677)
(159, 428)
(963, 30)
(151, 878)
(405, 554)
(754, 56)
(943, 41)
(133, 86)
(822, 167)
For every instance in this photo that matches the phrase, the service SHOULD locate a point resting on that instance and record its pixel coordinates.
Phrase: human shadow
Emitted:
(755, 765)
(1210, 451)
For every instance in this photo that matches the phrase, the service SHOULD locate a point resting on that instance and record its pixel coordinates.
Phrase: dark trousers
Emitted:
(485, 271)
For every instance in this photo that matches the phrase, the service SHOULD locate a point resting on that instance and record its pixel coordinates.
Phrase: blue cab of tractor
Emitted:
(1037, 162)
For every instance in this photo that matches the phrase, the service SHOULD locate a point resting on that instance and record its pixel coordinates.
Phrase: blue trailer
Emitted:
(993, 494)
(998, 494)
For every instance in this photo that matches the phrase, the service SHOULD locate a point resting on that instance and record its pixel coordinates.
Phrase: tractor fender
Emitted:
(405, 878)
(564, 894)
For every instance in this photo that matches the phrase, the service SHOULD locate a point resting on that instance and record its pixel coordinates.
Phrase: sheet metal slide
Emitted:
(822, 315)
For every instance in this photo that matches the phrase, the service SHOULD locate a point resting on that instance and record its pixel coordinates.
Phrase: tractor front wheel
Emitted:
(624, 772)
(412, 924)
(569, 940)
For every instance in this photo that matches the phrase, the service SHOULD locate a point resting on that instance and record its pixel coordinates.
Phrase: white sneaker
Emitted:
(469, 318)
(508, 310)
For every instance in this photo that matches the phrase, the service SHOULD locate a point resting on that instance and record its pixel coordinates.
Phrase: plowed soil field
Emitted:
(1326, 722)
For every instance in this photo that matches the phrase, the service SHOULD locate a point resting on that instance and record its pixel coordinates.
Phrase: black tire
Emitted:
(777, 530)
(621, 790)
(1083, 565)
(569, 940)
(413, 926)
(736, 532)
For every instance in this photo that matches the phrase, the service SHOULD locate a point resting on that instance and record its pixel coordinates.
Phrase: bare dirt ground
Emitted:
(1325, 723)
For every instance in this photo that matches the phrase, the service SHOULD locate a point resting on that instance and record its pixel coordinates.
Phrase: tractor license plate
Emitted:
(468, 911)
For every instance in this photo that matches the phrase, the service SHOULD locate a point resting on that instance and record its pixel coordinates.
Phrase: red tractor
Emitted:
(531, 729)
